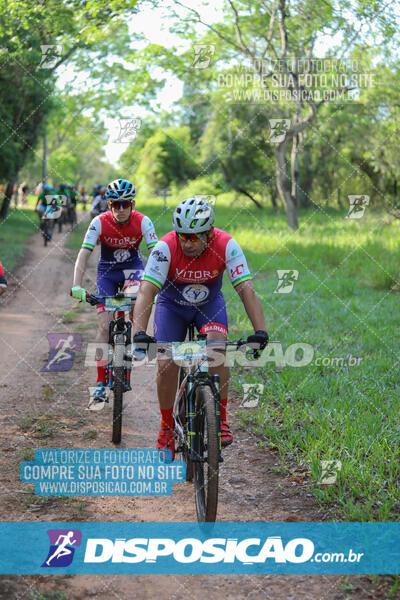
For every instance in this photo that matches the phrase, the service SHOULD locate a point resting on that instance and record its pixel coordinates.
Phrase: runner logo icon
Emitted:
(251, 394)
(50, 56)
(62, 351)
(128, 129)
(286, 280)
(203, 54)
(61, 551)
(279, 128)
(357, 206)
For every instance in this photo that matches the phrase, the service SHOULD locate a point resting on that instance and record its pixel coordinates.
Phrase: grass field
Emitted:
(15, 231)
(344, 305)
(344, 404)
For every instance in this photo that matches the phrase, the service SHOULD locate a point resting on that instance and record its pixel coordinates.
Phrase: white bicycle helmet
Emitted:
(193, 215)
(120, 189)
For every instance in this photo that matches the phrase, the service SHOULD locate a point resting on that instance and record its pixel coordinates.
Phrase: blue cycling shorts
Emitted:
(110, 280)
(171, 319)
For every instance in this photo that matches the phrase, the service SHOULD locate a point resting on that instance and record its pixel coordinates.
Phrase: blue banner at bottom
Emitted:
(194, 548)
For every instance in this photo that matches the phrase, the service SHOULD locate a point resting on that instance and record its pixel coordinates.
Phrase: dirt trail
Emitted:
(49, 410)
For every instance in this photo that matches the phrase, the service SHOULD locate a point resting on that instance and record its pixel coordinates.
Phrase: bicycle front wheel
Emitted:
(182, 418)
(118, 388)
(44, 227)
(207, 467)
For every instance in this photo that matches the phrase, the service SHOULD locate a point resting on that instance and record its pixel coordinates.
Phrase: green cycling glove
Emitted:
(79, 293)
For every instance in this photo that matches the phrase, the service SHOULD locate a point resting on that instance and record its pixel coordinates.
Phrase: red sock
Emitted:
(222, 408)
(101, 371)
(167, 418)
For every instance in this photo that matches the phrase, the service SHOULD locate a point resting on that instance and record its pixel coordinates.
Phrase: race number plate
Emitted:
(118, 304)
(189, 351)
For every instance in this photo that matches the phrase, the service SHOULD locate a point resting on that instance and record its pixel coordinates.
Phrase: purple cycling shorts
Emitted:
(108, 280)
(171, 319)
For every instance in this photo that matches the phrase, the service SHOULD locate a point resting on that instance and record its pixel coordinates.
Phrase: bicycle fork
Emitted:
(193, 438)
(120, 327)
(128, 355)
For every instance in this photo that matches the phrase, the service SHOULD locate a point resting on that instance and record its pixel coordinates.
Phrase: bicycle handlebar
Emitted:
(237, 343)
(127, 300)
(93, 299)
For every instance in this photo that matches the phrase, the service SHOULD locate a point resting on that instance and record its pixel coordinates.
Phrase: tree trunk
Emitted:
(273, 198)
(306, 179)
(339, 199)
(284, 188)
(7, 199)
(294, 168)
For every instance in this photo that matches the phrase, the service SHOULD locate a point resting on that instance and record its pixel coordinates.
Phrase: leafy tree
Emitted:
(131, 158)
(167, 157)
(351, 149)
(234, 142)
(273, 40)
(27, 71)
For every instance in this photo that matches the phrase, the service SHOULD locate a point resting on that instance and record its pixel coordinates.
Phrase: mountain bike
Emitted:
(197, 418)
(65, 202)
(46, 229)
(48, 219)
(119, 361)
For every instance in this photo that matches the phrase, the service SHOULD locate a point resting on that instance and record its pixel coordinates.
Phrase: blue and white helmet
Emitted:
(193, 215)
(120, 189)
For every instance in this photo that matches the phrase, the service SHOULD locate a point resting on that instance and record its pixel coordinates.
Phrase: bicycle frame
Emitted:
(197, 420)
(191, 383)
(119, 331)
(198, 376)
(119, 362)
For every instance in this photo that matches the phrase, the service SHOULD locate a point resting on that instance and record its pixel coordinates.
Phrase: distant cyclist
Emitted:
(120, 231)
(100, 203)
(22, 193)
(73, 195)
(3, 281)
(185, 269)
(83, 197)
(63, 191)
(42, 201)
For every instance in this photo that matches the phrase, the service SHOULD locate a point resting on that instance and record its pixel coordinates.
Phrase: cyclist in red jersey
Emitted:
(120, 231)
(186, 268)
(3, 281)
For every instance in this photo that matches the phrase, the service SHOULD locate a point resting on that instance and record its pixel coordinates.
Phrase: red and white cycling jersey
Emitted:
(3, 281)
(188, 280)
(119, 243)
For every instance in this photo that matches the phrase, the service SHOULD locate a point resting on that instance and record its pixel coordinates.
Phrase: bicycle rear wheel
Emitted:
(206, 469)
(118, 388)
